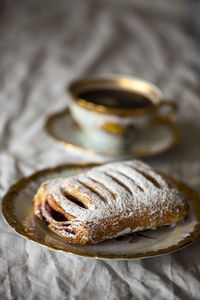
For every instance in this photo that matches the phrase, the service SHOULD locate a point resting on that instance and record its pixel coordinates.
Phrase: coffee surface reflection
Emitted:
(115, 98)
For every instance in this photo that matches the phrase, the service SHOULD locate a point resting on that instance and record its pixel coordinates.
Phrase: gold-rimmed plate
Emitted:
(157, 139)
(18, 211)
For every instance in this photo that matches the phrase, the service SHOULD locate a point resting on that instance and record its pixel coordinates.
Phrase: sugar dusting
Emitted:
(119, 189)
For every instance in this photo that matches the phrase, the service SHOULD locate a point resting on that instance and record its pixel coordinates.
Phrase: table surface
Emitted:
(43, 46)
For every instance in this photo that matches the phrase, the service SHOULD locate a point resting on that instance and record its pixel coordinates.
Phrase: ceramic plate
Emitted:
(18, 211)
(157, 139)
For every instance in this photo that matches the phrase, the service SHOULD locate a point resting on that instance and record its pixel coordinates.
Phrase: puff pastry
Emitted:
(107, 201)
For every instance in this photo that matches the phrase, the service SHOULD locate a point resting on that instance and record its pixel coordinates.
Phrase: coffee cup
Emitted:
(112, 110)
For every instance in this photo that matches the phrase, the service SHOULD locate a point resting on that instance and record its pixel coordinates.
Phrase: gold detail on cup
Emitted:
(113, 128)
(134, 85)
(172, 115)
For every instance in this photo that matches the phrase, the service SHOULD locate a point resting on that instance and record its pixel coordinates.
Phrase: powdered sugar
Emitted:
(120, 189)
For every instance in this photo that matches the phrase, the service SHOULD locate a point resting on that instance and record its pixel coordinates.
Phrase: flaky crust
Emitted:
(108, 201)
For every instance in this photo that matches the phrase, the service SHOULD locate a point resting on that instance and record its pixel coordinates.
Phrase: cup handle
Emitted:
(172, 114)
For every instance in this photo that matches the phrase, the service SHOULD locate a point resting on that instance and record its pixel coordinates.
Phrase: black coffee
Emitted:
(113, 98)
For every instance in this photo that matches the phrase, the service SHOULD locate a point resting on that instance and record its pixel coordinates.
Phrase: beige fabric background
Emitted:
(44, 45)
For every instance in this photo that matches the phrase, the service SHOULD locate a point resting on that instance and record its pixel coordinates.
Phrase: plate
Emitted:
(158, 139)
(18, 211)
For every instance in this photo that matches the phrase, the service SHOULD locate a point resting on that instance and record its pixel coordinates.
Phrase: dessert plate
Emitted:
(158, 139)
(18, 211)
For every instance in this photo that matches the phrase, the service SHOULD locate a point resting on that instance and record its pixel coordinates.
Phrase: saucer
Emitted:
(157, 139)
(17, 208)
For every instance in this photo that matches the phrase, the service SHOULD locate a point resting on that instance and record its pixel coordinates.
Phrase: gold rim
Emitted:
(122, 83)
(159, 121)
(7, 206)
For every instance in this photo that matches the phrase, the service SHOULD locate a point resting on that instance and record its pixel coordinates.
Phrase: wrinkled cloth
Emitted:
(46, 44)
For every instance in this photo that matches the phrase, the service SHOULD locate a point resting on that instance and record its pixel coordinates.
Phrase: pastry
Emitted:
(108, 201)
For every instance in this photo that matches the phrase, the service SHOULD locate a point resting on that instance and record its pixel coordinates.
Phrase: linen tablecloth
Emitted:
(43, 46)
